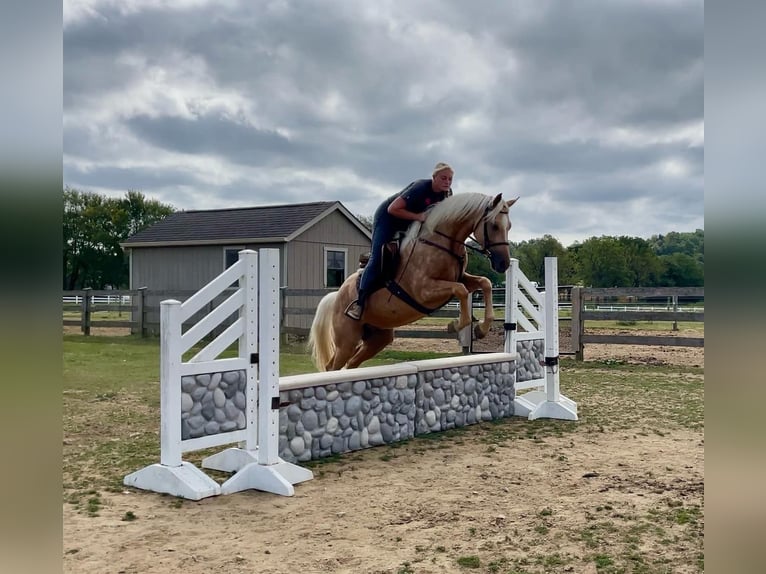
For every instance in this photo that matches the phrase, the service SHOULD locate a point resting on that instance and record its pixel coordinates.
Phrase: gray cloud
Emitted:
(576, 106)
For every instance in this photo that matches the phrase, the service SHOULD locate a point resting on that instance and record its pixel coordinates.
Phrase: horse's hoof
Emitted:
(478, 333)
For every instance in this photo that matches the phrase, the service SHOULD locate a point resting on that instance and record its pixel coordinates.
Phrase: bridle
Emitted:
(485, 245)
(398, 291)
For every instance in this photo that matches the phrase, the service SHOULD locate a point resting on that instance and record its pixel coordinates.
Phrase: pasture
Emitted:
(620, 490)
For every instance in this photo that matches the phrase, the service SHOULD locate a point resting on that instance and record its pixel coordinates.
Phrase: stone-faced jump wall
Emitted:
(323, 414)
(329, 413)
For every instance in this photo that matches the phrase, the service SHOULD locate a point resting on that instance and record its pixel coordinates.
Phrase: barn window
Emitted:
(335, 267)
(231, 255)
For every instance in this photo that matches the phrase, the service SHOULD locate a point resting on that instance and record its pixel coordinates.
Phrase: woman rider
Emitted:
(396, 214)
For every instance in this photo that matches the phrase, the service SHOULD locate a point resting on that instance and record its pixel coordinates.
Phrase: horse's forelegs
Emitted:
(444, 289)
(474, 283)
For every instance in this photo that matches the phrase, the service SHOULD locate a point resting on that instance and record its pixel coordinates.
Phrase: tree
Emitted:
(531, 255)
(681, 270)
(687, 243)
(601, 263)
(478, 264)
(682, 257)
(365, 220)
(93, 227)
(643, 265)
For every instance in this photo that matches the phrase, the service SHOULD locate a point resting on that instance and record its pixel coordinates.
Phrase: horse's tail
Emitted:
(321, 344)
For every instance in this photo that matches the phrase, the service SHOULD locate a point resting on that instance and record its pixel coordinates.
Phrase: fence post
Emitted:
(577, 323)
(552, 365)
(250, 343)
(509, 324)
(85, 318)
(170, 383)
(675, 310)
(140, 306)
(465, 335)
(268, 331)
(283, 339)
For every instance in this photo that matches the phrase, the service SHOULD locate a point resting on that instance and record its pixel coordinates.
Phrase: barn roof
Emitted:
(263, 224)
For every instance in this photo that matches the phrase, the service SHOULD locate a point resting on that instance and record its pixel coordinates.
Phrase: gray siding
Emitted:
(179, 268)
(176, 272)
(305, 264)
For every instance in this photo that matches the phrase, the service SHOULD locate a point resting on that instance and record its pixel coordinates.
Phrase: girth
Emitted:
(397, 290)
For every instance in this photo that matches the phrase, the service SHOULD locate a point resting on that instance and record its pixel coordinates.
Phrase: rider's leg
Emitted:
(380, 234)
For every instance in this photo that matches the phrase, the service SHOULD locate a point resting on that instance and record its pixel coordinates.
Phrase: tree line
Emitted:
(94, 225)
(675, 259)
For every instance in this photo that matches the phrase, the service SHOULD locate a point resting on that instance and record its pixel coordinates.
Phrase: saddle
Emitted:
(390, 255)
(389, 260)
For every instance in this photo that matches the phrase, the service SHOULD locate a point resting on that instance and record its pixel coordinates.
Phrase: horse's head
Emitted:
(492, 232)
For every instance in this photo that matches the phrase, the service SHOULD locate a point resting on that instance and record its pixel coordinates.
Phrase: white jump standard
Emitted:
(255, 463)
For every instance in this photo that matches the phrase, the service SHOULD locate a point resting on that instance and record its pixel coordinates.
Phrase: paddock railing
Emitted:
(585, 308)
(116, 308)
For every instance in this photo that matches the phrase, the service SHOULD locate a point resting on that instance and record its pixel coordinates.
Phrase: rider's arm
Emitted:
(398, 208)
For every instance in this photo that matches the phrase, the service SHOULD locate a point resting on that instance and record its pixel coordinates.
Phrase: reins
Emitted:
(485, 247)
(396, 289)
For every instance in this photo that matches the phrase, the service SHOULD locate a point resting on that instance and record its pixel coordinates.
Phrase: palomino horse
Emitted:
(430, 272)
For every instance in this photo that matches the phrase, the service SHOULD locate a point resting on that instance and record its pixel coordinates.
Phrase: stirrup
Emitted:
(354, 310)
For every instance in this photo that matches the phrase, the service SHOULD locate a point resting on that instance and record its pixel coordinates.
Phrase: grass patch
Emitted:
(631, 325)
(469, 562)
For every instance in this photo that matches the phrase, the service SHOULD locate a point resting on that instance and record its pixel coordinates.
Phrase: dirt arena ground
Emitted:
(556, 503)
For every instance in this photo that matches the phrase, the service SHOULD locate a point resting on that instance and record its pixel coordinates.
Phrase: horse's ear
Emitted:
(498, 199)
(510, 202)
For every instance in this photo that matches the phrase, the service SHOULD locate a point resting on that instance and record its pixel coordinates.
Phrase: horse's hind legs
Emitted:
(377, 340)
(343, 351)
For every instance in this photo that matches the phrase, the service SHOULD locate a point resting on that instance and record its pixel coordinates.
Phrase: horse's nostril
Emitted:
(499, 264)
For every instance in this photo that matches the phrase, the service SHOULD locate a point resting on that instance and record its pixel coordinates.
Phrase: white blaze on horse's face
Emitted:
(496, 230)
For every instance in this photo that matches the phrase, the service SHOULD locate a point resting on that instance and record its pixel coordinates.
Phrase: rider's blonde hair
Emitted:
(441, 166)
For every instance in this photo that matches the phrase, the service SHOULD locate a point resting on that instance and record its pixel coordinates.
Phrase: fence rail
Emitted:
(584, 304)
(91, 301)
(582, 312)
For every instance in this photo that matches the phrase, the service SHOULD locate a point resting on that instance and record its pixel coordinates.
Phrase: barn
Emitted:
(319, 243)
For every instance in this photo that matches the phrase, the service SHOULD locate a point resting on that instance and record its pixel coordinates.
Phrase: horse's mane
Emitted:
(455, 207)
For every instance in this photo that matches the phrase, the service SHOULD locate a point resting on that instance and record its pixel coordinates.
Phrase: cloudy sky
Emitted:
(591, 111)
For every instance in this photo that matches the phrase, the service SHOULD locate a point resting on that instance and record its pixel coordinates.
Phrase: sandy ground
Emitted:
(640, 354)
(419, 508)
(689, 356)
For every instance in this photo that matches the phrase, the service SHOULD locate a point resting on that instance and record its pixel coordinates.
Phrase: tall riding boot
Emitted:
(356, 307)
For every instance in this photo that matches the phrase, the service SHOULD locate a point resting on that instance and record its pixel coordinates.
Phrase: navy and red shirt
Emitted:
(418, 196)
